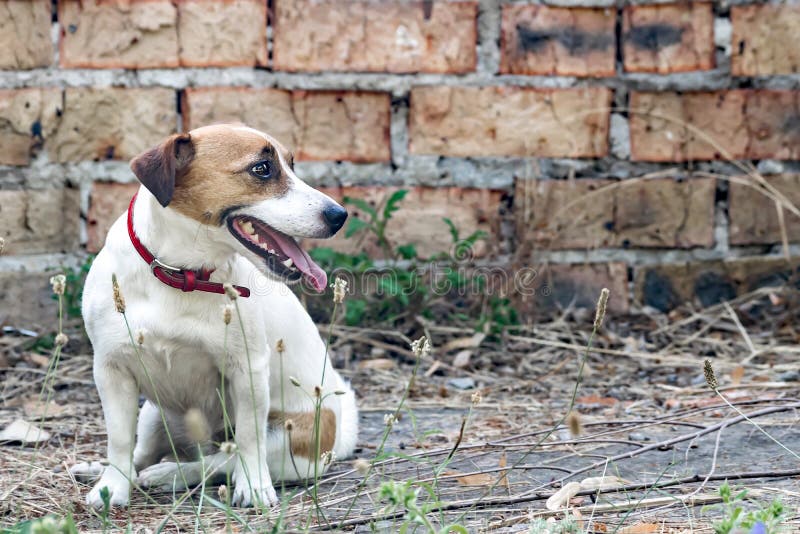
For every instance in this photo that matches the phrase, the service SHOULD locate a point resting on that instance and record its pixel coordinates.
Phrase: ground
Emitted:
(643, 415)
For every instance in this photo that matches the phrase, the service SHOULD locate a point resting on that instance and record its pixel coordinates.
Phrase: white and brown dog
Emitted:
(220, 204)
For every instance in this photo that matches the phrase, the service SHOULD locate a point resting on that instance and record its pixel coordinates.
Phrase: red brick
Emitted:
(39, 220)
(668, 38)
(707, 283)
(314, 35)
(543, 40)
(118, 34)
(162, 33)
(107, 201)
(547, 287)
(25, 34)
(734, 124)
(418, 220)
(588, 213)
(222, 33)
(27, 118)
(765, 39)
(509, 121)
(754, 216)
(317, 125)
(112, 123)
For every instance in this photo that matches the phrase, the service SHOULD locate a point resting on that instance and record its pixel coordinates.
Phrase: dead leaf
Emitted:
(504, 476)
(470, 342)
(37, 409)
(562, 496)
(23, 432)
(461, 358)
(597, 400)
(38, 360)
(639, 528)
(736, 375)
(383, 364)
(478, 479)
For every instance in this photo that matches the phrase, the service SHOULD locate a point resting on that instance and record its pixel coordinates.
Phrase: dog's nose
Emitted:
(335, 215)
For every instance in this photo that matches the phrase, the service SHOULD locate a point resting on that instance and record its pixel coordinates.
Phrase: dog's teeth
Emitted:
(247, 226)
(288, 263)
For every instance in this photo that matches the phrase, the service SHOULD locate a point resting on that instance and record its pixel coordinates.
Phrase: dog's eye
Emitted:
(261, 170)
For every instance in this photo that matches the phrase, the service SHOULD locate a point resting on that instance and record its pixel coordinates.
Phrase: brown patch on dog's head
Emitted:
(218, 176)
(302, 434)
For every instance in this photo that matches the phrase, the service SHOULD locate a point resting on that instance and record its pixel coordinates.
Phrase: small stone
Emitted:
(461, 383)
(789, 376)
(638, 436)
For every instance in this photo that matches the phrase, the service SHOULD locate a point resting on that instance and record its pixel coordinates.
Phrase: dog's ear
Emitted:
(158, 167)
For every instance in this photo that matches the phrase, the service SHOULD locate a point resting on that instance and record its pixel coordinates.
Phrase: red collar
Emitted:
(183, 279)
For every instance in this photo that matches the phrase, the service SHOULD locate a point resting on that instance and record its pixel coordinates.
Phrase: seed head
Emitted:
(339, 289)
(574, 424)
(227, 313)
(197, 426)
(61, 339)
(228, 447)
(223, 493)
(119, 301)
(476, 398)
(361, 465)
(295, 382)
(328, 457)
(59, 283)
(421, 347)
(2, 244)
(389, 419)
(600, 314)
(317, 391)
(340, 392)
(288, 425)
(230, 291)
(140, 336)
(280, 346)
(711, 379)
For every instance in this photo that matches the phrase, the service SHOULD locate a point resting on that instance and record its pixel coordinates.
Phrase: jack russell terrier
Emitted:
(218, 205)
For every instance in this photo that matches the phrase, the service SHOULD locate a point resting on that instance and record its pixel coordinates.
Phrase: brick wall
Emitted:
(591, 139)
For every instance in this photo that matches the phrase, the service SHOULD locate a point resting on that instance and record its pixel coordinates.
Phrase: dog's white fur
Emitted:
(180, 364)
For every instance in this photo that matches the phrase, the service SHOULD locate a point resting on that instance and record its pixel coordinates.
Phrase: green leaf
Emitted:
(453, 229)
(354, 311)
(361, 204)
(354, 226)
(391, 204)
(407, 252)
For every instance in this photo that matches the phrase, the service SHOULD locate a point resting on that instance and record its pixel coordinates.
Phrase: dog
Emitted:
(218, 205)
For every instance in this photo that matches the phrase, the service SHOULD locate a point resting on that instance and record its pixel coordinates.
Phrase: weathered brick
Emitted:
(25, 34)
(764, 39)
(39, 220)
(26, 299)
(547, 287)
(107, 201)
(418, 220)
(664, 213)
(314, 35)
(118, 34)
(754, 216)
(509, 121)
(740, 123)
(706, 283)
(223, 34)
(27, 118)
(543, 40)
(317, 125)
(112, 123)
(667, 38)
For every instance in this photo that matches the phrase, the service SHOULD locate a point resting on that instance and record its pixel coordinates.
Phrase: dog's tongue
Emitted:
(313, 272)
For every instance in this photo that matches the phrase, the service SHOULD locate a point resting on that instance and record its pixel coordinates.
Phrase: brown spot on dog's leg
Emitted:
(302, 433)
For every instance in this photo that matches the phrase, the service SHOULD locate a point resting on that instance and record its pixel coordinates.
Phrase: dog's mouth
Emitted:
(281, 253)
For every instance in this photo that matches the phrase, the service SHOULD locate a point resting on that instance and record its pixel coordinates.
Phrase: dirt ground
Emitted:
(644, 415)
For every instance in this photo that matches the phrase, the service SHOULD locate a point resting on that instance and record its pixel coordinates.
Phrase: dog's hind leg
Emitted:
(171, 476)
(151, 439)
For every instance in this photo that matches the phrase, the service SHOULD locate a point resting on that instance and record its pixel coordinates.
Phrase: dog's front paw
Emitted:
(87, 471)
(245, 496)
(119, 489)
